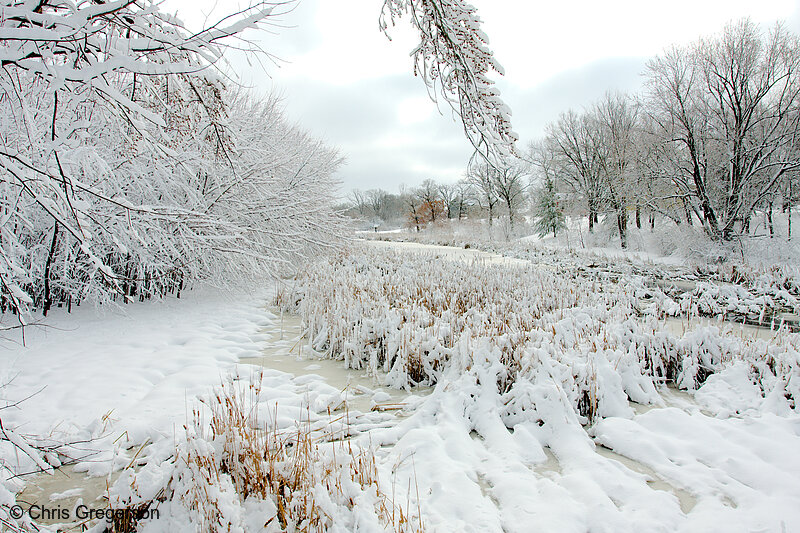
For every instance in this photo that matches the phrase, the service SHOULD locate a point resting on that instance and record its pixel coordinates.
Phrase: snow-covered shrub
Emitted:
(130, 172)
(417, 319)
(232, 471)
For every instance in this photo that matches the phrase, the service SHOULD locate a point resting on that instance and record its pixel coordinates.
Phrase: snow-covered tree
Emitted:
(377, 202)
(117, 155)
(430, 206)
(448, 192)
(549, 217)
(357, 199)
(463, 197)
(726, 109)
(412, 207)
(573, 140)
(481, 178)
(510, 186)
(615, 142)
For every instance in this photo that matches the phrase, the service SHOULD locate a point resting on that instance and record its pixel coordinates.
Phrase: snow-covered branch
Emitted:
(454, 60)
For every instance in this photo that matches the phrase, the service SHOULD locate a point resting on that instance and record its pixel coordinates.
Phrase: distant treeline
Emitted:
(712, 139)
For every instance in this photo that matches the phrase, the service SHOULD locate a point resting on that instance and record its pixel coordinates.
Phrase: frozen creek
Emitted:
(667, 467)
(358, 397)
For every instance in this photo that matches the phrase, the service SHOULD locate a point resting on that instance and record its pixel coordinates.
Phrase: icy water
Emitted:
(679, 326)
(64, 489)
(285, 350)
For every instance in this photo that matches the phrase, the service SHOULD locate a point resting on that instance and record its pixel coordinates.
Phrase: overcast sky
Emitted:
(346, 83)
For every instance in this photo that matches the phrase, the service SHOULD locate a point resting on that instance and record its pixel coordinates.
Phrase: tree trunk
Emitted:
(745, 226)
(652, 222)
(622, 226)
(687, 212)
(48, 300)
(769, 221)
(638, 217)
(788, 205)
(709, 217)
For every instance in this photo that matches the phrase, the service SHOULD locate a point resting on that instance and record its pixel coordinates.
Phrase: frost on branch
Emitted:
(82, 42)
(128, 169)
(453, 58)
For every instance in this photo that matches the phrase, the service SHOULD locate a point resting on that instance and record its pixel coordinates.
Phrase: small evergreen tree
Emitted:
(550, 217)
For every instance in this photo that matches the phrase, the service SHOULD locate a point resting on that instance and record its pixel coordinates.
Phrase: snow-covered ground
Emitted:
(525, 457)
(464, 455)
(117, 382)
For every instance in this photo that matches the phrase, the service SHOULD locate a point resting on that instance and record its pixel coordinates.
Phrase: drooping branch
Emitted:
(454, 60)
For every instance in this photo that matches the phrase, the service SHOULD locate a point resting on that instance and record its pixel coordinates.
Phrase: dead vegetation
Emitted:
(300, 480)
(415, 317)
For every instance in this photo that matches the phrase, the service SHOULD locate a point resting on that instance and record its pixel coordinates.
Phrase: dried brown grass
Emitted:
(310, 476)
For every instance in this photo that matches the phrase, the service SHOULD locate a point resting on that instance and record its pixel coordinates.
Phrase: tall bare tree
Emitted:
(464, 193)
(376, 201)
(727, 107)
(510, 184)
(448, 192)
(358, 199)
(574, 139)
(615, 141)
(481, 178)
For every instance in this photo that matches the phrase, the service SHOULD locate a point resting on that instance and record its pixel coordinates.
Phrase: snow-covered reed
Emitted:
(415, 319)
(749, 292)
(232, 471)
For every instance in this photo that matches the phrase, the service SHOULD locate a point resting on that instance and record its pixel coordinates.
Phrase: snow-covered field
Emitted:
(544, 398)
(121, 386)
(554, 406)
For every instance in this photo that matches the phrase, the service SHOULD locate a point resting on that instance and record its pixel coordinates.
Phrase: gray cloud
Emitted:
(362, 119)
(346, 114)
(533, 108)
(348, 86)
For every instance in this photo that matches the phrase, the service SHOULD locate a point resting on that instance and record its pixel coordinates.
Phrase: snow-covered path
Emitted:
(449, 252)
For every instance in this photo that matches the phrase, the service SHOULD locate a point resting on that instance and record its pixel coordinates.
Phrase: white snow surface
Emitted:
(130, 374)
(722, 458)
